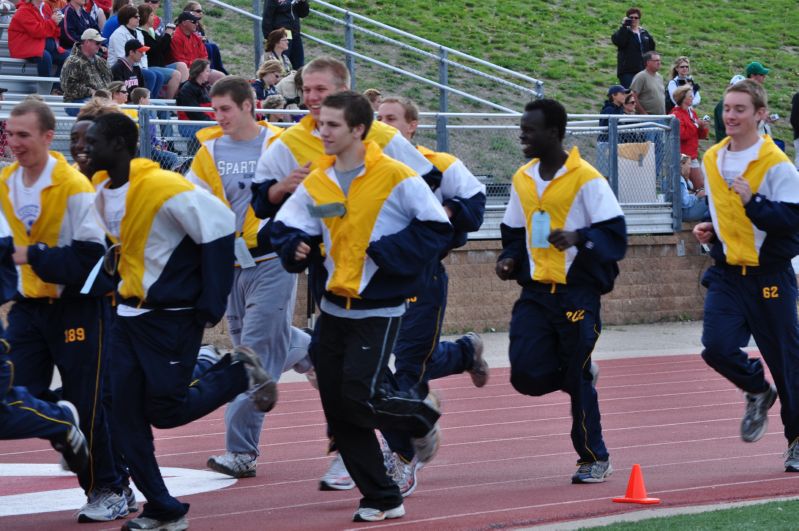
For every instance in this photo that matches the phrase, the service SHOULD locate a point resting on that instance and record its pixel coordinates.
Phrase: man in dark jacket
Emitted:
(286, 14)
(632, 42)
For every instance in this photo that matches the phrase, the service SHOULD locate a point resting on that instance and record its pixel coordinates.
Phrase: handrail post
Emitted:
(146, 143)
(349, 44)
(442, 133)
(257, 38)
(613, 154)
(676, 193)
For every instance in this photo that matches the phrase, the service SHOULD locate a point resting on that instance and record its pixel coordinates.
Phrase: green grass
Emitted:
(780, 515)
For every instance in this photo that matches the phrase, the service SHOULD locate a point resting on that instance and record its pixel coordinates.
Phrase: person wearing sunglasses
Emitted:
(632, 42)
(214, 55)
(681, 75)
(188, 46)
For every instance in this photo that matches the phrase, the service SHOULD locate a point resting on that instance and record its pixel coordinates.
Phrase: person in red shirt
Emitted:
(691, 131)
(33, 35)
(187, 45)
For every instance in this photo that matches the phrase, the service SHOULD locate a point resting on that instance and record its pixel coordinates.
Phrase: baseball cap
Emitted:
(615, 89)
(133, 44)
(756, 69)
(185, 15)
(91, 34)
(736, 78)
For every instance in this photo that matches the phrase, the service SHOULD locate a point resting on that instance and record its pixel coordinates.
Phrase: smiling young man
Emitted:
(175, 259)
(562, 235)
(261, 302)
(382, 229)
(292, 156)
(419, 355)
(753, 195)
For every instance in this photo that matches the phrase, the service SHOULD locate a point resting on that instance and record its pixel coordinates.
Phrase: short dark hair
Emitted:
(634, 11)
(238, 88)
(649, 55)
(37, 106)
(138, 94)
(356, 107)
(554, 114)
(145, 12)
(126, 13)
(197, 67)
(118, 125)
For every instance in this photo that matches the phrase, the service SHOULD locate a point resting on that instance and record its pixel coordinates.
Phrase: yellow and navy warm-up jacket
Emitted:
(765, 232)
(204, 172)
(65, 242)
(580, 200)
(176, 243)
(379, 251)
(301, 144)
(460, 191)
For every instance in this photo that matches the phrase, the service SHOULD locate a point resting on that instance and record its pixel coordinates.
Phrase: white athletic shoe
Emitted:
(336, 477)
(104, 505)
(237, 465)
(367, 514)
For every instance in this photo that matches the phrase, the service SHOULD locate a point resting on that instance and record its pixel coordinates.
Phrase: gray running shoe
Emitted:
(426, 447)
(142, 522)
(104, 505)
(367, 514)
(792, 457)
(596, 472)
(337, 477)
(755, 421)
(405, 475)
(262, 389)
(72, 444)
(237, 465)
(479, 370)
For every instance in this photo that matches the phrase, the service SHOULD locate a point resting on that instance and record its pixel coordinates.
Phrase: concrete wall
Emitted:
(659, 281)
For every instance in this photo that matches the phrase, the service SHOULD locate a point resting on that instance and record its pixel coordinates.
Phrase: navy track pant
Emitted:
(68, 334)
(152, 384)
(762, 306)
(552, 336)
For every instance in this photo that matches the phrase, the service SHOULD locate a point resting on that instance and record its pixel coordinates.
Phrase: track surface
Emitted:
(506, 459)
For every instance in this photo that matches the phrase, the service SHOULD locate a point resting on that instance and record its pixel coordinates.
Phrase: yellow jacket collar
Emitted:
(137, 166)
(373, 153)
(572, 161)
(768, 145)
(57, 176)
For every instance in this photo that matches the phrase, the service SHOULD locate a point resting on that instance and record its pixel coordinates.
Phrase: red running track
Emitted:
(506, 459)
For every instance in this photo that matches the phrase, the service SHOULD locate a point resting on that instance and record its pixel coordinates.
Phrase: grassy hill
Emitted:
(567, 44)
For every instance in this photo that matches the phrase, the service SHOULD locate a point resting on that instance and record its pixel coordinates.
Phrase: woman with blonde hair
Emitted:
(267, 77)
(681, 75)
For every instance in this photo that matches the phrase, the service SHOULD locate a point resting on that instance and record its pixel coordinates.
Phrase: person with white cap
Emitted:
(84, 71)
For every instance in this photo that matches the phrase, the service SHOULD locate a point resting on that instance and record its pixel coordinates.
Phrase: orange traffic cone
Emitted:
(636, 491)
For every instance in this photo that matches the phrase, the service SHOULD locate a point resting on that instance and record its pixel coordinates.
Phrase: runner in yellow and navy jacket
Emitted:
(753, 196)
(385, 235)
(175, 268)
(292, 156)
(47, 204)
(562, 234)
(22, 416)
(419, 355)
(261, 303)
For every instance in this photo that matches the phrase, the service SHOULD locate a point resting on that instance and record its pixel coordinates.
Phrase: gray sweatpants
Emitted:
(260, 308)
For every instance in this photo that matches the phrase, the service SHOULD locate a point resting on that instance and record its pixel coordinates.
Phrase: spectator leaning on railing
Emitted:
(84, 71)
(33, 35)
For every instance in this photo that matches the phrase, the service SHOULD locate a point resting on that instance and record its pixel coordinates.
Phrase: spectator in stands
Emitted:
(694, 204)
(127, 69)
(187, 45)
(614, 104)
(158, 148)
(157, 23)
(119, 93)
(691, 130)
(286, 14)
(195, 93)
(211, 47)
(160, 53)
(56, 5)
(632, 42)
(757, 73)
(267, 77)
(33, 35)
(84, 71)
(629, 104)
(374, 96)
(681, 75)
(647, 85)
(718, 118)
(112, 23)
(76, 20)
(276, 45)
(275, 101)
(5, 152)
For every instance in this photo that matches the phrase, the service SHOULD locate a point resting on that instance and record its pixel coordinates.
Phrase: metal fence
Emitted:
(638, 155)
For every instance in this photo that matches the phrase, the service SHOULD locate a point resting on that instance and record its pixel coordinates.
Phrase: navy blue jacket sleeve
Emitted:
(217, 259)
(605, 241)
(772, 216)
(260, 203)
(8, 272)
(467, 214)
(67, 265)
(513, 246)
(408, 251)
(285, 240)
